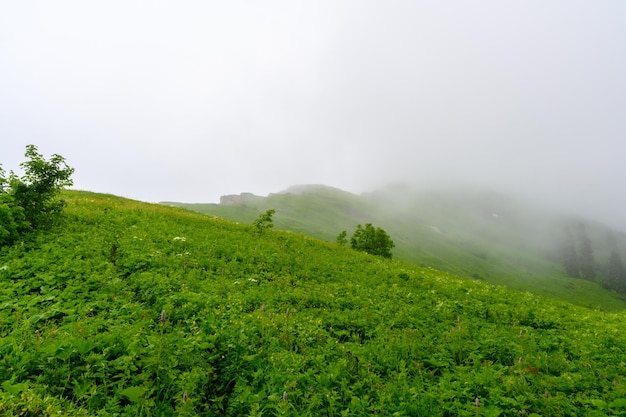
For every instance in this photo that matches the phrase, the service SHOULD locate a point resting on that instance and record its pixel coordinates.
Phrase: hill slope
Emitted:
(137, 309)
(469, 232)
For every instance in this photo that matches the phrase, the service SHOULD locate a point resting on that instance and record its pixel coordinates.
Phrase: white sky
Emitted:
(190, 100)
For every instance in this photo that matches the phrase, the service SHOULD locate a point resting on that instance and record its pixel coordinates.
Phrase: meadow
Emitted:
(452, 230)
(136, 309)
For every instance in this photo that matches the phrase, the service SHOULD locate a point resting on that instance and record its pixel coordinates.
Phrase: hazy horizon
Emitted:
(191, 101)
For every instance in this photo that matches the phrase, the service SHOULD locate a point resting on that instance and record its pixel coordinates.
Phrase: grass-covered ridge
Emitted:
(469, 232)
(143, 309)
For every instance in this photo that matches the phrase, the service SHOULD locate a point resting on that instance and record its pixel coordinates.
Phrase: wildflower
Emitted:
(4, 267)
(180, 238)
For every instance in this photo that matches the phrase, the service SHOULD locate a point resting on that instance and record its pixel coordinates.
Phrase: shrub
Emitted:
(264, 221)
(31, 201)
(372, 240)
(12, 220)
(342, 239)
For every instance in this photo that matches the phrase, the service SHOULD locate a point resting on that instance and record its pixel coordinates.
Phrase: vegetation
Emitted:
(136, 309)
(370, 239)
(342, 238)
(264, 221)
(30, 202)
(578, 260)
(467, 232)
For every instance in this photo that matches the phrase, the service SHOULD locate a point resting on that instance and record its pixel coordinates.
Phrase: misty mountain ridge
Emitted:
(475, 232)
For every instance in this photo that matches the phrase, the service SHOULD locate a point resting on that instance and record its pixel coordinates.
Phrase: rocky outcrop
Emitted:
(235, 199)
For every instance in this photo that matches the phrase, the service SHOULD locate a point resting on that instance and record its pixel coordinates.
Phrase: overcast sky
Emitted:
(190, 100)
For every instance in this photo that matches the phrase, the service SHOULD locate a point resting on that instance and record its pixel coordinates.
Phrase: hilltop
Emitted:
(472, 232)
(129, 308)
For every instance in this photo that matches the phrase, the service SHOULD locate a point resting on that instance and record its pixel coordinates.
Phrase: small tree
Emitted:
(264, 221)
(372, 240)
(31, 201)
(342, 239)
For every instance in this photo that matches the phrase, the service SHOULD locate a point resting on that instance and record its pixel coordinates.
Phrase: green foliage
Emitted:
(135, 309)
(12, 220)
(372, 240)
(342, 238)
(30, 201)
(264, 221)
(450, 230)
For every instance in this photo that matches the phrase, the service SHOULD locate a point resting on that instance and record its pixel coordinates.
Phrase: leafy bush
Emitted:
(372, 240)
(12, 220)
(342, 239)
(30, 201)
(264, 221)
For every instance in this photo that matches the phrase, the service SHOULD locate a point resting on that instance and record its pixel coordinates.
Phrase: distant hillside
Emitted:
(134, 309)
(471, 232)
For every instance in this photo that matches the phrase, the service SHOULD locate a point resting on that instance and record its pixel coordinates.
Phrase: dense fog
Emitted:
(188, 102)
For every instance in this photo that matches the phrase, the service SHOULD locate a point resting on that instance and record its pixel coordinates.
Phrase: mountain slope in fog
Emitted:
(477, 233)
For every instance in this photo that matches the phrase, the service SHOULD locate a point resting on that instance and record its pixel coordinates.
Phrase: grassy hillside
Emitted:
(473, 233)
(136, 309)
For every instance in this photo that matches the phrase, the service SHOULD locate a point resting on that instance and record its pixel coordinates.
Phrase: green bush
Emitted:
(264, 221)
(12, 220)
(30, 201)
(372, 240)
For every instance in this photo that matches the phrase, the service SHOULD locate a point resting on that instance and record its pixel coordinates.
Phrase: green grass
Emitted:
(453, 231)
(137, 309)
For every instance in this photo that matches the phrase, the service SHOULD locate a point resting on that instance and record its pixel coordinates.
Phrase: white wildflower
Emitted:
(4, 267)
(180, 238)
